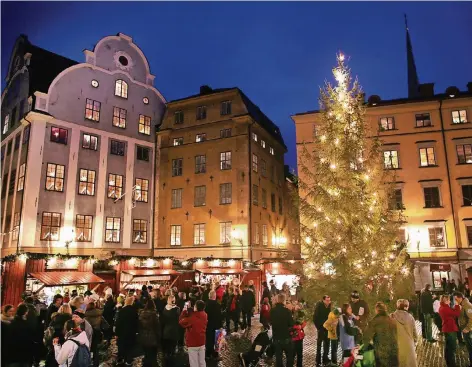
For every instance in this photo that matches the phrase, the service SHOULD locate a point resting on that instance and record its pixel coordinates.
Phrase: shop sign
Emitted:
(440, 267)
(221, 264)
(63, 264)
(147, 263)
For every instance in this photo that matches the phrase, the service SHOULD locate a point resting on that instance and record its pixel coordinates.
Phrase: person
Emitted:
(282, 323)
(260, 345)
(65, 353)
(20, 340)
(58, 320)
(195, 324)
(265, 313)
(94, 316)
(273, 289)
(322, 310)
(251, 286)
(79, 317)
(298, 334)
(8, 314)
(109, 315)
(248, 301)
(407, 336)
(266, 293)
(233, 310)
(213, 311)
(451, 286)
(159, 302)
(465, 321)
(436, 317)
(206, 292)
(54, 307)
(149, 333)
(180, 302)
(426, 305)
(382, 330)
(77, 302)
(348, 331)
(444, 285)
(449, 328)
(170, 327)
(331, 325)
(220, 292)
(126, 326)
(467, 293)
(360, 310)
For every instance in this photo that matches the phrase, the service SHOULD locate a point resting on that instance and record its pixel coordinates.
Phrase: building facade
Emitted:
(78, 150)
(222, 187)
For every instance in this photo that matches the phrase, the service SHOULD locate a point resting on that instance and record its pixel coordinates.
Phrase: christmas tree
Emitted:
(349, 229)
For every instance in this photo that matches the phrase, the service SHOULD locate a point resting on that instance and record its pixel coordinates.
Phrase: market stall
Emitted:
(219, 270)
(136, 278)
(282, 272)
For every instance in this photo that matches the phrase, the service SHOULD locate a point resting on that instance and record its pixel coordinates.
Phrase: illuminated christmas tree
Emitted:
(349, 229)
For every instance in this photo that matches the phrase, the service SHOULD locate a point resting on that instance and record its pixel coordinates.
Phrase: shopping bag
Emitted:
(220, 340)
(366, 352)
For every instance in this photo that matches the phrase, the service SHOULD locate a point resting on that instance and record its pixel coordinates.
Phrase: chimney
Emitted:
(426, 89)
(205, 89)
(469, 87)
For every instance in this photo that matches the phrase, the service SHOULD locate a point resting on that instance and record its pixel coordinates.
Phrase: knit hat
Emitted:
(336, 311)
(355, 294)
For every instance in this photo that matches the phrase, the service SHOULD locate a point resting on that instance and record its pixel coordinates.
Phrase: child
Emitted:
(265, 312)
(298, 334)
(332, 326)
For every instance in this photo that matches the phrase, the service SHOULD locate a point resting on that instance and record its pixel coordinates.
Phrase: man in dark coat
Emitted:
(206, 292)
(215, 322)
(282, 323)
(273, 289)
(126, 327)
(248, 301)
(360, 310)
(426, 306)
(233, 310)
(54, 307)
(265, 293)
(322, 310)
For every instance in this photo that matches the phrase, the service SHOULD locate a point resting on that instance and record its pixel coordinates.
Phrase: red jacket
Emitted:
(195, 325)
(298, 333)
(265, 312)
(448, 317)
(220, 291)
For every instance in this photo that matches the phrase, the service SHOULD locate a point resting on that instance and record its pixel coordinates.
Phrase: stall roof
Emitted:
(53, 278)
(221, 271)
(136, 273)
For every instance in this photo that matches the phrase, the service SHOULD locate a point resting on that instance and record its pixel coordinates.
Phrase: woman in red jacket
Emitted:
(298, 334)
(449, 328)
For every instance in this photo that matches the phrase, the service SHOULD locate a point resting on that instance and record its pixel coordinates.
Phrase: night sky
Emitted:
(277, 53)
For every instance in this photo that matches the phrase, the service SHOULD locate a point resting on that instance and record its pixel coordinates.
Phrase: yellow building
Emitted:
(222, 189)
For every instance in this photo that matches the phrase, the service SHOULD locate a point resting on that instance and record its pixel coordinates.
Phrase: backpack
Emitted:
(82, 357)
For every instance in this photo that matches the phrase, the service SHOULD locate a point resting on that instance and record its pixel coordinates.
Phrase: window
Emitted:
(113, 229)
(263, 168)
(199, 234)
(387, 123)
(178, 141)
(11, 188)
(89, 142)
(225, 232)
(6, 124)
(396, 201)
(115, 186)
(256, 234)
(427, 157)
(21, 177)
(431, 197)
(391, 159)
(176, 198)
(119, 117)
(177, 167)
(225, 133)
(254, 162)
(59, 135)
(142, 153)
(200, 164)
(469, 234)
(17, 141)
(178, 117)
(4, 184)
(225, 160)
(225, 108)
(50, 226)
(87, 182)
(144, 125)
(264, 198)
(141, 190)
(436, 237)
(459, 117)
(83, 228)
(265, 235)
(272, 202)
(175, 235)
(117, 147)
(55, 177)
(121, 89)
(200, 196)
(225, 193)
(255, 195)
(26, 134)
(464, 153)
(139, 231)
(423, 120)
(263, 143)
(281, 206)
(92, 110)
(200, 138)
(467, 195)
(271, 151)
(16, 226)
(254, 137)
(201, 112)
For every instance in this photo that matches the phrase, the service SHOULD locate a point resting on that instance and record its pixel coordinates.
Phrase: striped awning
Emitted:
(55, 278)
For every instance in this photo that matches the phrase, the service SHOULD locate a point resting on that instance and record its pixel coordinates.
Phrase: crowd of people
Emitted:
(163, 323)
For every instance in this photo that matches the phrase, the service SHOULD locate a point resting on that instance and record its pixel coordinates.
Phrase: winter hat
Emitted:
(355, 295)
(336, 312)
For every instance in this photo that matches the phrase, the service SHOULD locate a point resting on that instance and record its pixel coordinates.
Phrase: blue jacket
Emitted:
(347, 333)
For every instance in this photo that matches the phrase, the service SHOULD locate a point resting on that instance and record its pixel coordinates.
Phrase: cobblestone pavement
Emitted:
(429, 354)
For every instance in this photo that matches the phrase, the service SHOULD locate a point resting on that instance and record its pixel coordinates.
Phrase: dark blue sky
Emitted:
(277, 53)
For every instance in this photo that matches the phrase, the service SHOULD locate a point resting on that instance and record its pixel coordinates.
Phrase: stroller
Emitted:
(260, 346)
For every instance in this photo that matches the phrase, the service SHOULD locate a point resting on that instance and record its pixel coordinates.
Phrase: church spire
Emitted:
(413, 82)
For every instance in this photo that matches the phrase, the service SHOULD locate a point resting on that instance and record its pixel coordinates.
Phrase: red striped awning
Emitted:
(55, 278)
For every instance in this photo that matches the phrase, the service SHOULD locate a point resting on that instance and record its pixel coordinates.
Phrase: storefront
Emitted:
(135, 279)
(283, 272)
(433, 273)
(221, 271)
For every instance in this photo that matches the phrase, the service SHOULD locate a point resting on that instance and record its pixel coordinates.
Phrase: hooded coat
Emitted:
(383, 331)
(149, 328)
(406, 338)
(170, 323)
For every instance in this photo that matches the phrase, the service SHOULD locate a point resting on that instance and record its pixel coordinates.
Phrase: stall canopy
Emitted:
(221, 271)
(142, 275)
(61, 278)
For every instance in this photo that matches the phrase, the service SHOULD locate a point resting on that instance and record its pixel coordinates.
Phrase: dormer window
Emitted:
(201, 112)
(121, 89)
(387, 123)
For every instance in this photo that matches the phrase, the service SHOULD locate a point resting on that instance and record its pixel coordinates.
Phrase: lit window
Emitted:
(83, 228)
(436, 237)
(226, 193)
(6, 124)
(200, 196)
(391, 159)
(121, 89)
(145, 125)
(92, 110)
(16, 226)
(225, 133)
(225, 108)
(113, 229)
(178, 141)
(271, 151)
(200, 164)
(467, 195)
(387, 123)
(254, 137)
(254, 163)
(89, 142)
(423, 120)
(87, 182)
(201, 112)
(139, 231)
(21, 177)
(265, 235)
(55, 177)
(50, 226)
(200, 138)
(464, 153)
(225, 160)
(459, 117)
(256, 234)
(119, 117)
(142, 153)
(255, 195)
(176, 199)
(177, 167)
(431, 197)
(225, 232)
(59, 135)
(115, 186)
(396, 200)
(117, 147)
(427, 157)
(178, 117)
(199, 234)
(141, 190)
(263, 143)
(175, 235)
